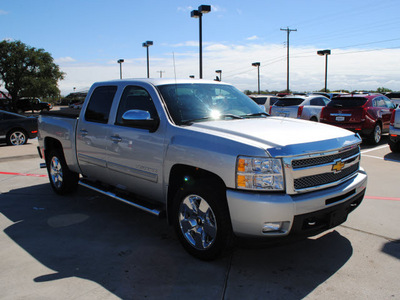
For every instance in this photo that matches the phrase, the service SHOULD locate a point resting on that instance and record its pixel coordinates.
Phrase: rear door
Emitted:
(92, 134)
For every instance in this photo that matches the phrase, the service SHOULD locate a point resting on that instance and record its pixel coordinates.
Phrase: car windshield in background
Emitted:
(289, 101)
(347, 102)
(189, 103)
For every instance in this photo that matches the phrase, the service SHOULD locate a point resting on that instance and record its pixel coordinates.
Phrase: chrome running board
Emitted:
(142, 206)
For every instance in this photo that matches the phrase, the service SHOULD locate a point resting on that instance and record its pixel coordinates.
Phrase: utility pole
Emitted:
(288, 30)
(160, 73)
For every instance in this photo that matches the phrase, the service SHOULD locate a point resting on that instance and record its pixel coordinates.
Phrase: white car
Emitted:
(300, 107)
(264, 101)
(394, 131)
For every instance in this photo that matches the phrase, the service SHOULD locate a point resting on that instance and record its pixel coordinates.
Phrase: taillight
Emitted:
(299, 111)
(364, 113)
(270, 109)
(392, 118)
(322, 114)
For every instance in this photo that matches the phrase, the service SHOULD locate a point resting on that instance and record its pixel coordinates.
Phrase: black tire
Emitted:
(376, 134)
(62, 179)
(201, 220)
(17, 137)
(394, 147)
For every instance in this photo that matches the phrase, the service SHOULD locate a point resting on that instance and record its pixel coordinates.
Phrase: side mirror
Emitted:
(140, 119)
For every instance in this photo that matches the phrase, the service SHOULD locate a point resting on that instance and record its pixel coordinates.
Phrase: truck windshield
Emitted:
(190, 103)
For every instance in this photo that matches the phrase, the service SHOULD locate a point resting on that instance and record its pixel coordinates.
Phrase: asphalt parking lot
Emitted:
(87, 246)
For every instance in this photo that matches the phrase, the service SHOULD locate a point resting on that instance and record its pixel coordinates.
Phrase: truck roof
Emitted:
(159, 81)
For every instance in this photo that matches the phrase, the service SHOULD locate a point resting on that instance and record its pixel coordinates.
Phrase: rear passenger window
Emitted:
(100, 102)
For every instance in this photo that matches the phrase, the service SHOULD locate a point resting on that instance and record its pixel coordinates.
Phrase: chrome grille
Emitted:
(321, 179)
(302, 163)
(317, 171)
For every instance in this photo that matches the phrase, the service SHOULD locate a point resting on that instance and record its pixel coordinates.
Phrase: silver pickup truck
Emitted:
(394, 131)
(208, 158)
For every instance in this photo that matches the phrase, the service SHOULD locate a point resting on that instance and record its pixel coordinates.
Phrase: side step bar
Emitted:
(143, 206)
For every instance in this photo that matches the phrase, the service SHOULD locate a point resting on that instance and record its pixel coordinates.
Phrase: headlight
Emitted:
(253, 173)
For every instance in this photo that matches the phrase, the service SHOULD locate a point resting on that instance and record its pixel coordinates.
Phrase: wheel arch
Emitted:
(50, 144)
(185, 174)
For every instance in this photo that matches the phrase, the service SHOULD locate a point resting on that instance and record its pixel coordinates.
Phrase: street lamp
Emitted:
(120, 61)
(203, 9)
(147, 44)
(220, 75)
(325, 53)
(257, 64)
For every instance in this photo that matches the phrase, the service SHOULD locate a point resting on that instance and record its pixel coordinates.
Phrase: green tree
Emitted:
(27, 71)
(383, 90)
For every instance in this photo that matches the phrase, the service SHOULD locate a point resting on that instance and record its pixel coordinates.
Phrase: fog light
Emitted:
(271, 226)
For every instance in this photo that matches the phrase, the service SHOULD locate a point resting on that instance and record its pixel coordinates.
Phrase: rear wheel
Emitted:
(201, 220)
(17, 137)
(62, 179)
(394, 146)
(376, 134)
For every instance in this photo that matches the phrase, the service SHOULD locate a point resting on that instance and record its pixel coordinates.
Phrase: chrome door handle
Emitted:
(83, 132)
(116, 139)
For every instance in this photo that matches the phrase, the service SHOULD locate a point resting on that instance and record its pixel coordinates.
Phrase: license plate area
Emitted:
(340, 119)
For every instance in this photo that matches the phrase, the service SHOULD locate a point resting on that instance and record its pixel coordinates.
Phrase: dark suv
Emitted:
(367, 114)
(33, 104)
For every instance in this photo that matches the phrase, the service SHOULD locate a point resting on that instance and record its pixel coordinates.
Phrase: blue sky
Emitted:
(86, 38)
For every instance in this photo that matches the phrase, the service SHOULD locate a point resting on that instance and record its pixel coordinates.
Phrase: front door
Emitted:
(135, 155)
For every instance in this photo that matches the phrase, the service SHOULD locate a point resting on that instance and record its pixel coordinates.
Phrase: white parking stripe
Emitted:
(373, 149)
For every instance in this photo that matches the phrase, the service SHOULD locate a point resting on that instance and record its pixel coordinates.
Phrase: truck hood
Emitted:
(281, 136)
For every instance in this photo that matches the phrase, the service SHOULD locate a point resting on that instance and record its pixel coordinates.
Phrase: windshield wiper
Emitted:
(257, 114)
(188, 122)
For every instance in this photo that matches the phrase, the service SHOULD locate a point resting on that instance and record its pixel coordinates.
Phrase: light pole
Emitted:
(288, 30)
(203, 9)
(257, 64)
(325, 53)
(220, 74)
(120, 61)
(147, 44)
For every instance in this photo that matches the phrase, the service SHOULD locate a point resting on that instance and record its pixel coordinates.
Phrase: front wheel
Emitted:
(201, 220)
(62, 179)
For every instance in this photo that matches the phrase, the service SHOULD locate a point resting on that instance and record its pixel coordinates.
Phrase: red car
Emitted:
(367, 114)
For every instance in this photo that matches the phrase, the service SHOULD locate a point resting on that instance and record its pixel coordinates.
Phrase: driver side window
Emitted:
(135, 98)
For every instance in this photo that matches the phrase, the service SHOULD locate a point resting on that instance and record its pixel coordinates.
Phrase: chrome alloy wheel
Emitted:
(197, 222)
(56, 172)
(377, 134)
(17, 138)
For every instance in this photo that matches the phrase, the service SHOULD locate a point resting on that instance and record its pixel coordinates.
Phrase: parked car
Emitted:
(394, 131)
(329, 95)
(300, 107)
(265, 101)
(32, 104)
(367, 114)
(394, 97)
(16, 129)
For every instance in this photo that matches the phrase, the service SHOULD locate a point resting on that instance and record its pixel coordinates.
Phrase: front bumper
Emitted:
(306, 214)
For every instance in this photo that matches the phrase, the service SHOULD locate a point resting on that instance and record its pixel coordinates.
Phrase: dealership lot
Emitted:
(87, 246)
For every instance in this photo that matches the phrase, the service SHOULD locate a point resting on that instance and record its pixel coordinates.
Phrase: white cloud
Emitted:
(3, 12)
(351, 69)
(252, 38)
(66, 59)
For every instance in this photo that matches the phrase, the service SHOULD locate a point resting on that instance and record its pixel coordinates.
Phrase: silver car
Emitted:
(300, 107)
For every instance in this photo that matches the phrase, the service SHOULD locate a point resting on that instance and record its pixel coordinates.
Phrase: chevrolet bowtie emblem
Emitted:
(337, 166)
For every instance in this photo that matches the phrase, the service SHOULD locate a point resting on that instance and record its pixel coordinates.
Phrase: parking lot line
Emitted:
(22, 174)
(382, 198)
(373, 149)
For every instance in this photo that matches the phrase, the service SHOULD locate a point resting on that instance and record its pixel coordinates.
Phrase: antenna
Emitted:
(173, 56)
